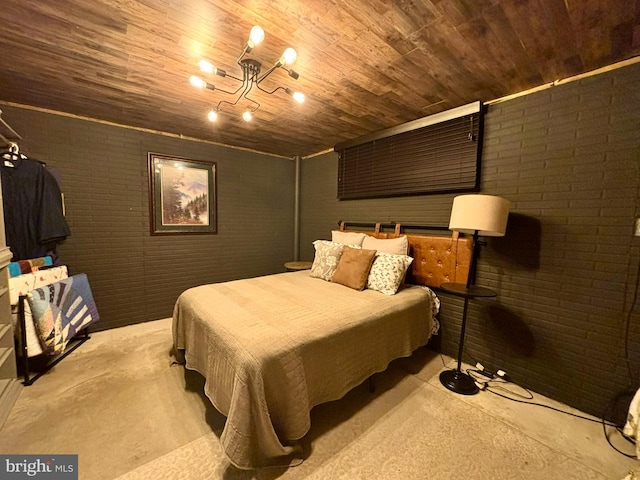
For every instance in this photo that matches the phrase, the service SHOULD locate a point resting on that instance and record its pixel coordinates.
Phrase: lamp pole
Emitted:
(474, 214)
(474, 256)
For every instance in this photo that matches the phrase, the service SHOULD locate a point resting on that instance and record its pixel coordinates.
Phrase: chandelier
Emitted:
(251, 77)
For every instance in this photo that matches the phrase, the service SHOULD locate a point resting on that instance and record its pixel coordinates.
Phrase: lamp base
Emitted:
(458, 382)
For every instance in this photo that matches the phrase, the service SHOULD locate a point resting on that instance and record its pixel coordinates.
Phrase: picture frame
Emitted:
(182, 195)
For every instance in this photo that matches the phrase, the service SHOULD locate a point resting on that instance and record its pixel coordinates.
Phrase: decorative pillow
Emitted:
(326, 259)
(397, 246)
(353, 267)
(348, 238)
(388, 272)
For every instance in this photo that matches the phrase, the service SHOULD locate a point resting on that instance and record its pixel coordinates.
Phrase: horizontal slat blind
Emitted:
(441, 157)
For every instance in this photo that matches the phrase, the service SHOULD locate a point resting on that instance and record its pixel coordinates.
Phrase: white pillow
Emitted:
(397, 246)
(388, 272)
(348, 238)
(326, 259)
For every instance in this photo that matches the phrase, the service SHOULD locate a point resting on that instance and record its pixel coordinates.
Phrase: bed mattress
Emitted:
(273, 347)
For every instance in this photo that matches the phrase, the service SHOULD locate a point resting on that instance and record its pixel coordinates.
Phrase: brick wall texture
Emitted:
(135, 276)
(565, 322)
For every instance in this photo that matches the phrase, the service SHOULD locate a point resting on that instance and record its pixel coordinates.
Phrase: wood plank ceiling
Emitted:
(364, 65)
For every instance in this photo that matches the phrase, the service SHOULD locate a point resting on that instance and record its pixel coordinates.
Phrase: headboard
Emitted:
(437, 259)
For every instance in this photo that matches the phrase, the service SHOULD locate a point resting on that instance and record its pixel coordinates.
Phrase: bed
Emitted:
(273, 347)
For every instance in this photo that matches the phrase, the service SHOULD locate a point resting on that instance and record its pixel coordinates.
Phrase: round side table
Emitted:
(296, 266)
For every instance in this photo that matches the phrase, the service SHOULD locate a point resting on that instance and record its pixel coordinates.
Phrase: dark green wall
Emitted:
(134, 276)
(568, 158)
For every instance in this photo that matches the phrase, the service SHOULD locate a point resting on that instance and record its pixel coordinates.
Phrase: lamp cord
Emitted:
(491, 387)
(618, 428)
(628, 325)
(490, 382)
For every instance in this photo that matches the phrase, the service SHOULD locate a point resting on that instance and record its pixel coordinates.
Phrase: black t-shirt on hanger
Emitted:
(32, 203)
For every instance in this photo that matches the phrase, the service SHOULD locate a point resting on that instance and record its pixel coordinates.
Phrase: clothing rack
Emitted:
(7, 134)
(10, 138)
(77, 340)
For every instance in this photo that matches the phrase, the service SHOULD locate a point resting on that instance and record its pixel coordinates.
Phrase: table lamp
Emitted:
(479, 215)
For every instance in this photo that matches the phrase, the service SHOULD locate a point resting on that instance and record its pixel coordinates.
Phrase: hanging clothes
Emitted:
(32, 203)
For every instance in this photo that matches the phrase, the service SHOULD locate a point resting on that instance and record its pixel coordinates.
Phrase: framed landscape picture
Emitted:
(182, 195)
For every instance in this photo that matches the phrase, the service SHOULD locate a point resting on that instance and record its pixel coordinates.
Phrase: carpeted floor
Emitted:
(119, 404)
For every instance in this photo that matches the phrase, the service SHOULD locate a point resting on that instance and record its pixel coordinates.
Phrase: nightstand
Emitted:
(296, 266)
(456, 380)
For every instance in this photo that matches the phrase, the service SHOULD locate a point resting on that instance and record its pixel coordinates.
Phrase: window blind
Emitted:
(437, 157)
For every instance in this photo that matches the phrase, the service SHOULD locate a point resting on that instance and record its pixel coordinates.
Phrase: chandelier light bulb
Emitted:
(256, 36)
(206, 67)
(212, 115)
(298, 97)
(289, 56)
(197, 82)
(246, 116)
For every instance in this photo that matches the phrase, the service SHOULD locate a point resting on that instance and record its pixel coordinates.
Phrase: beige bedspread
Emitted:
(273, 347)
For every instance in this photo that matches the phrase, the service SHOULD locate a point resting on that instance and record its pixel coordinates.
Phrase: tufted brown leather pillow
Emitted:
(353, 267)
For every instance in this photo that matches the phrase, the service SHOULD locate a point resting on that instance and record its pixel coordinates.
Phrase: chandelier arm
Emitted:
(251, 100)
(229, 93)
(269, 92)
(245, 81)
(252, 79)
(235, 78)
(247, 89)
(246, 85)
(245, 50)
(228, 103)
(267, 73)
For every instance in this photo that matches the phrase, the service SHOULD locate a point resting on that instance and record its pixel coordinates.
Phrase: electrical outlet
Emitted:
(636, 231)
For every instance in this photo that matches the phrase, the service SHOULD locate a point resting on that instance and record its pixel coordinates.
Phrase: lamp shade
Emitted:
(486, 214)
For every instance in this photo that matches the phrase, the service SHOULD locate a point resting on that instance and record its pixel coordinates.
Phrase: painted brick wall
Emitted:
(134, 276)
(568, 158)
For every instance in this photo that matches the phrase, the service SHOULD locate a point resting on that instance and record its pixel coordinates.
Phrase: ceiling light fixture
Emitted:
(251, 76)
